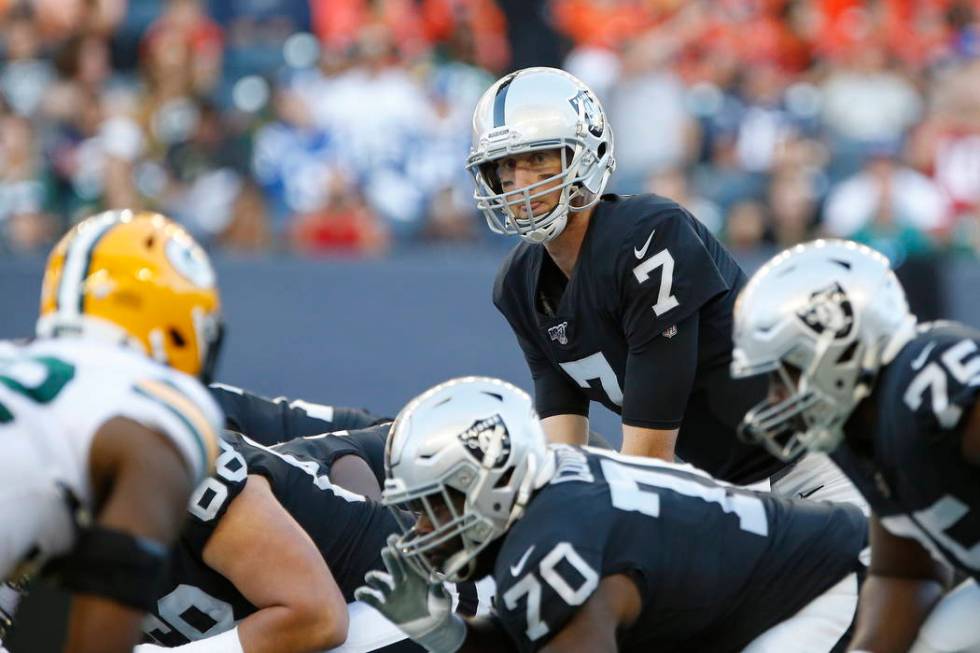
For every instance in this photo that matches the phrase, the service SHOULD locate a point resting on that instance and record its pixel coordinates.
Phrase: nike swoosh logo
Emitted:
(805, 495)
(640, 253)
(516, 569)
(920, 360)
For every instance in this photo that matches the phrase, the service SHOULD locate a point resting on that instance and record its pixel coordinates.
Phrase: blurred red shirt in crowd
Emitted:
(416, 25)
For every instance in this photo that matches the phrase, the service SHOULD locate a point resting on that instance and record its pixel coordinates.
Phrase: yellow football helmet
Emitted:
(135, 278)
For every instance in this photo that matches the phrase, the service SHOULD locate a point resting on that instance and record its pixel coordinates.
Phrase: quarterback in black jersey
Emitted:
(895, 405)
(626, 301)
(273, 545)
(597, 551)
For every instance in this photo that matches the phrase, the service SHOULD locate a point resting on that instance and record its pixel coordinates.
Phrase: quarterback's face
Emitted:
(522, 170)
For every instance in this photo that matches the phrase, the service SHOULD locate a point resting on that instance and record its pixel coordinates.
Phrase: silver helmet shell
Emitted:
(822, 318)
(464, 455)
(540, 109)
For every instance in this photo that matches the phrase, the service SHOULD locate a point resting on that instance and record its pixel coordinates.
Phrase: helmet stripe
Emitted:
(499, 101)
(78, 258)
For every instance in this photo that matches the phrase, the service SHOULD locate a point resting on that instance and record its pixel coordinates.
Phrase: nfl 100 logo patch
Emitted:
(559, 332)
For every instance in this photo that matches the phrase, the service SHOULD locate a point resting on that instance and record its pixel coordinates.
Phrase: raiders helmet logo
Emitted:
(585, 105)
(830, 310)
(478, 437)
(559, 332)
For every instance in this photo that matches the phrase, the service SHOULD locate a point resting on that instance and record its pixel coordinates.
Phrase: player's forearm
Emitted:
(485, 635)
(97, 625)
(652, 443)
(566, 429)
(285, 629)
(891, 612)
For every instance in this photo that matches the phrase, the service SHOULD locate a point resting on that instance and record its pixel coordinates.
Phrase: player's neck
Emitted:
(564, 249)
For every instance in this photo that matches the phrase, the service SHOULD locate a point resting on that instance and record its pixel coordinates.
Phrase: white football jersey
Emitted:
(54, 396)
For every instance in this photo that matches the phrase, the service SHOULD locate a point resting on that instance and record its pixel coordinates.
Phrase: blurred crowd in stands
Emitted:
(342, 125)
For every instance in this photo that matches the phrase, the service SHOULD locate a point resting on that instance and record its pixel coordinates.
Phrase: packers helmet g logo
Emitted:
(190, 261)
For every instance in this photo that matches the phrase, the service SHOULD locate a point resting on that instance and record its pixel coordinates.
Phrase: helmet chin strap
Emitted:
(556, 222)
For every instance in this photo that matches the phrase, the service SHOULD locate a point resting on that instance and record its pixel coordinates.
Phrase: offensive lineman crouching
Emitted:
(272, 552)
(595, 551)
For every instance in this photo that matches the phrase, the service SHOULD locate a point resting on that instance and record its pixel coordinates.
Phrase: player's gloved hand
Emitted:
(422, 609)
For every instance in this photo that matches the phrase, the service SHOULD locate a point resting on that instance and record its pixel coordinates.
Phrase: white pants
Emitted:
(953, 624)
(816, 477)
(817, 627)
(33, 512)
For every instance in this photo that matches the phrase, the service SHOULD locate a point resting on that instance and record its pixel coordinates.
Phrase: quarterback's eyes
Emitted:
(532, 160)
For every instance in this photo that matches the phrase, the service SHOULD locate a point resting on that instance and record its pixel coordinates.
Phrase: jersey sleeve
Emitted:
(942, 385)
(211, 498)
(183, 413)
(324, 448)
(271, 421)
(666, 274)
(660, 377)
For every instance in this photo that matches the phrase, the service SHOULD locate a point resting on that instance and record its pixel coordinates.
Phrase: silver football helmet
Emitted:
(539, 109)
(821, 318)
(463, 457)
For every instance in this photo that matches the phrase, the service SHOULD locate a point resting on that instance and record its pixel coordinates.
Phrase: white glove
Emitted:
(420, 608)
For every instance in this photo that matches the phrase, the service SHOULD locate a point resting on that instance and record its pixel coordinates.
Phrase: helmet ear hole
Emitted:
(150, 241)
(847, 355)
(176, 338)
(601, 150)
(504, 479)
(489, 172)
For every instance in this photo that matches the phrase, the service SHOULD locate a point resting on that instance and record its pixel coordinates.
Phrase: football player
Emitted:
(106, 427)
(895, 405)
(271, 555)
(626, 301)
(353, 440)
(353, 450)
(596, 551)
(271, 421)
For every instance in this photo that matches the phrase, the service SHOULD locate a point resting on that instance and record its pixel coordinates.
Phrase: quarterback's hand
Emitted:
(420, 608)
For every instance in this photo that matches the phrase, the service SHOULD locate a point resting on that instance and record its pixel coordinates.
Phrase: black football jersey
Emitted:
(271, 421)
(348, 529)
(366, 443)
(716, 566)
(643, 326)
(913, 474)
